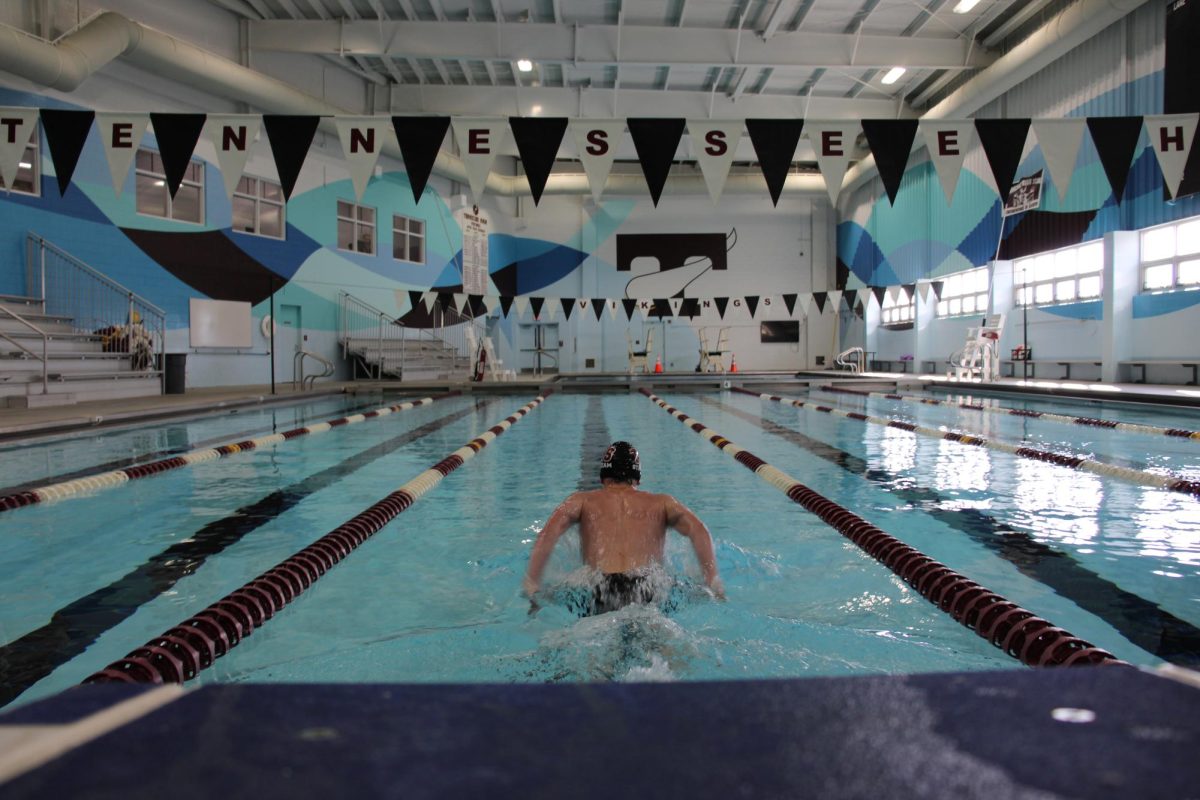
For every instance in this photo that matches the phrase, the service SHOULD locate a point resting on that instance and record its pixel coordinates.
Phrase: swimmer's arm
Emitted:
(563, 518)
(683, 520)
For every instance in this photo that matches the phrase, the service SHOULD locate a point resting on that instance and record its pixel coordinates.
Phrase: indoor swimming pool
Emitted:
(435, 595)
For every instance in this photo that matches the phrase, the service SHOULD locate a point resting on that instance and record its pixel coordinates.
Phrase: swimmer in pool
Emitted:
(622, 533)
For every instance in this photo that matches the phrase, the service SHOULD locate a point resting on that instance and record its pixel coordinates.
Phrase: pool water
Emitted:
(435, 597)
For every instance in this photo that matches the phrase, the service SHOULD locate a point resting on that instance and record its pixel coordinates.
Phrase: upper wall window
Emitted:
(1170, 256)
(900, 310)
(408, 239)
(28, 170)
(964, 293)
(258, 208)
(153, 198)
(356, 228)
(1069, 275)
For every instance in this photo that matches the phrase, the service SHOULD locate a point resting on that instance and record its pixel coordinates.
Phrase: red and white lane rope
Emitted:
(1131, 427)
(117, 477)
(1019, 633)
(1154, 479)
(191, 646)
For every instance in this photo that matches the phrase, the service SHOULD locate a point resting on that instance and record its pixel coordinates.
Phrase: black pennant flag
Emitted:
(789, 300)
(752, 304)
(908, 288)
(290, 136)
(445, 300)
(937, 288)
(630, 304)
(1003, 140)
(537, 141)
(890, 141)
(177, 135)
(721, 302)
(690, 308)
(66, 131)
(505, 303)
(655, 140)
(414, 299)
(662, 308)
(420, 140)
(1115, 138)
(880, 293)
(475, 303)
(822, 298)
(568, 305)
(598, 304)
(775, 144)
(536, 304)
(858, 310)
(849, 296)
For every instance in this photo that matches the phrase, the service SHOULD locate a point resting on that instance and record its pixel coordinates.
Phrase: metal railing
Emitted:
(385, 346)
(96, 304)
(306, 383)
(30, 353)
(843, 359)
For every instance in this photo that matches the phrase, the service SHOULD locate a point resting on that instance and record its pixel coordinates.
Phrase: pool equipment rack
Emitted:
(183, 651)
(1021, 634)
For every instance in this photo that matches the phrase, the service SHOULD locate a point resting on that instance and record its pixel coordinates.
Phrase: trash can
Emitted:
(175, 371)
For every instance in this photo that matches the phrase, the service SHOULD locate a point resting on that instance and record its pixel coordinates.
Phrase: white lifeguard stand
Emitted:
(980, 357)
(640, 359)
(713, 359)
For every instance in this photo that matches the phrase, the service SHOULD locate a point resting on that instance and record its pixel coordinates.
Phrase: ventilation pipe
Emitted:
(107, 36)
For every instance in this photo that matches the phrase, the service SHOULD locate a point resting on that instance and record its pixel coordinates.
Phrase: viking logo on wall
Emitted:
(680, 259)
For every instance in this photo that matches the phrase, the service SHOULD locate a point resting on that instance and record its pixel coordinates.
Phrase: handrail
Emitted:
(856, 365)
(298, 368)
(362, 322)
(95, 273)
(38, 331)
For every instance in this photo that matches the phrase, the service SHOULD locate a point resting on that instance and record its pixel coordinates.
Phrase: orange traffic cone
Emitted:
(658, 364)
(732, 363)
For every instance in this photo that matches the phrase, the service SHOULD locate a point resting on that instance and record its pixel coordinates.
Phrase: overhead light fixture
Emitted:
(965, 5)
(892, 75)
(535, 110)
(25, 165)
(525, 65)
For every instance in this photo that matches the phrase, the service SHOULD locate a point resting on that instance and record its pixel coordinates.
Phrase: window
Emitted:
(1171, 257)
(900, 311)
(154, 200)
(258, 208)
(1069, 275)
(356, 228)
(408, 239)
(29, 171)
(964, 293)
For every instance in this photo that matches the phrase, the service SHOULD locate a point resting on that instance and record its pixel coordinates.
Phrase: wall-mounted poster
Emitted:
(475, 226)
(1026, 195)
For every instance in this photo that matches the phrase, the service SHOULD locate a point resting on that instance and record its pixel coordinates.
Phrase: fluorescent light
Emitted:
(525, 65)
(892, 75)
(535, 110)
(25, 165)
(965, 5)
(160, 183)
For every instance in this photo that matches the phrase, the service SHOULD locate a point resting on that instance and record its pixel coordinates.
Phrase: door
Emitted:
(537, 347)
(289, 336)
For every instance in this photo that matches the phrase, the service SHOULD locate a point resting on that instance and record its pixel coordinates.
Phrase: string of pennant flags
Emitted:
(656, 140)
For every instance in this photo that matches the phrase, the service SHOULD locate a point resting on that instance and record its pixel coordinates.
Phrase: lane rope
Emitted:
(1132, 427)
(117, 477)
(1021, 634)
(183, 651)
(1153, 479)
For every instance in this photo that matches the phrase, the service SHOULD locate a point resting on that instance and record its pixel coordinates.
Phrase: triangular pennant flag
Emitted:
(598, 307)
(403, 302)
(948, 142)
(775, 143)
(506, 302)
(656, 139)
(420, 139)
(752, 304)
(476, 305)
(849, 295)
(662, 308)
(362, 141)
(66, 131)
(428, 299)
(612, 308)
(177, 135)
(789, 300)
(690, 308)
(550, 307)
(16, 126)
(835, 300)
(676, 303)
(460, 302)
(522, 304)
(568, 305)
(721, 303)
(891, 142)
(833, 142)
(490, 301)
(630, 304)
(937, 288)
(1003, 141)
(414, 298)
(1060, 140)
(121, 135)
(479, 140)
(536, 304)
(445, 299)
(232, 135)
(538, 139)
(820, 298)
(714, 144)
(1116, 139)
(1171, 136)
(597, 141)
(923, 290)
(908, 289)
(858, 309)
(806, 299)
(290, 136)
(880, 292)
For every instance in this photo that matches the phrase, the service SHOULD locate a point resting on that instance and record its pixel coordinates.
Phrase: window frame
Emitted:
(356, 220)
(942, 309)
(259, 201)
(170, 215)
(408, 237)
(1174, 261)
(898, 313)
(35, 166)
(1048, 281)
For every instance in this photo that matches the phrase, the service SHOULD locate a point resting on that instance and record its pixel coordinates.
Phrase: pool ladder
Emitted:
(306, 382)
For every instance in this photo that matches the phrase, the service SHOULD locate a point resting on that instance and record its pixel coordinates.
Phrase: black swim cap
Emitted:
(621, 462)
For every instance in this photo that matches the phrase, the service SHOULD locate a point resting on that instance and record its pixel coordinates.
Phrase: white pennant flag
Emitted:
(232, 135)
(549, 307)
(804, 303)
(1060, 140)
(835, 300)
(402, 302)
(428, 299)
(1171, 137)
(613, 307)
(714, 144)
(893, 293)
(490, 301)
(948, 142)
(833, 142)
(460, 302)
(597, 141)
(362, 141)
(521, 304)
(121, 134)
(923, 289)
(479, 140)
(16, 126)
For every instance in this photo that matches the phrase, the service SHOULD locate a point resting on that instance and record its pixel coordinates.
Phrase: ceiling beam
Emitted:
(783, 10)
(638, 45)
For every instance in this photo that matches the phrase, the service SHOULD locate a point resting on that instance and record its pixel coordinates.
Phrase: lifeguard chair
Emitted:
(980, 357)
(712, 359)
(640, 358)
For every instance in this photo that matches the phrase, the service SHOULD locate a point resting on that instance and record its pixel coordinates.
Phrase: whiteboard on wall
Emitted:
(219, 323)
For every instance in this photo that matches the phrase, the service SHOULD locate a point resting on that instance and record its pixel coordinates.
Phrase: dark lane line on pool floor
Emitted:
(74, 627)
(1139, 620)
(595, 441)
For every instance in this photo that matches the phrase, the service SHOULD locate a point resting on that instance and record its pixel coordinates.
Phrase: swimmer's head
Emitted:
(621, 463)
